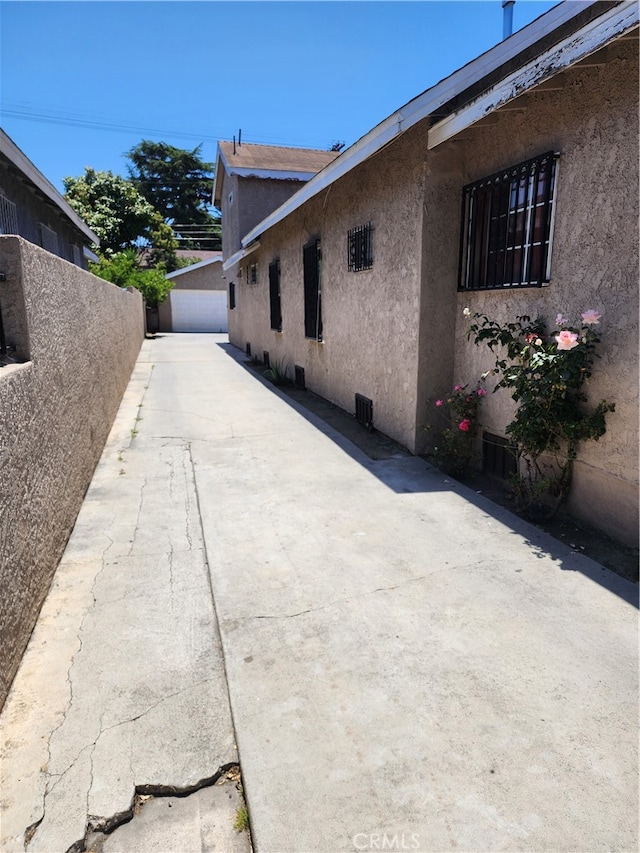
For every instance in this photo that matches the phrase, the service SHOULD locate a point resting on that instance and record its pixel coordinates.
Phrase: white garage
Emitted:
(198, 311)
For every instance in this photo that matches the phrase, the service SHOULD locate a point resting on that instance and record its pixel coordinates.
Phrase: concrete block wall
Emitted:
(78, 338)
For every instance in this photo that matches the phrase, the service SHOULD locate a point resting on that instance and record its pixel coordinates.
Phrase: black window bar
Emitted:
(507, 224)
(275, 306)
(360, 248)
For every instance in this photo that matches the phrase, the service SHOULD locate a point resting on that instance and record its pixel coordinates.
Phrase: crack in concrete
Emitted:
(106, 825)
(337, 601)
(137, 524)
(32, 829)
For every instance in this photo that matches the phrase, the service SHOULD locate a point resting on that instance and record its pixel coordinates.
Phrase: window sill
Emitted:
(7, 370)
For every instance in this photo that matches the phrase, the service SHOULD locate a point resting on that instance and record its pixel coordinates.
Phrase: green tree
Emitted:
(178, 184)
(123, 269)
(112, 207)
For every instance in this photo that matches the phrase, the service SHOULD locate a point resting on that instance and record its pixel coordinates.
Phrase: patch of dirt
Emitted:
(582, 537)
(579, 535)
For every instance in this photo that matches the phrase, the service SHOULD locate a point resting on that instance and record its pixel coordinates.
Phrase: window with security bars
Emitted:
(8, 216)
(507, 227)
(48, 238)
(312, 263)
(252, 274)
(360, 248)
(232, 295)
(275, 305)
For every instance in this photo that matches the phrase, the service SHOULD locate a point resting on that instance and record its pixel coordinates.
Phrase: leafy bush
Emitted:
(454, 450)
(545, 374)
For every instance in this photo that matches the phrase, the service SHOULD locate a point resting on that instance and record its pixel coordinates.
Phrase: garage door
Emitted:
(199, 311)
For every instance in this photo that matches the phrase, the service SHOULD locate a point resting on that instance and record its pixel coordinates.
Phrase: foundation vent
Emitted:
(299, 376)
(364, 411)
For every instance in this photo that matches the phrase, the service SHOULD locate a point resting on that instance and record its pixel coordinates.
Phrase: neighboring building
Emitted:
(253, 180)
(198, 300)
(359, 280)
(31, 207)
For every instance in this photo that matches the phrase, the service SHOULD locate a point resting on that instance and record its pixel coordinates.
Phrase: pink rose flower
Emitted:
(566, 340)
(481, 392)
(457, 388)
(439, 403)
(591, 317)
(464, 425)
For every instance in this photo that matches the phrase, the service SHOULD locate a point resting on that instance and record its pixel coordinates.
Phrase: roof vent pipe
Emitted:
(507, 18)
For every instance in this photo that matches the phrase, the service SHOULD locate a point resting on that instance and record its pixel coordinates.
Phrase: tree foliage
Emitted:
(123, 269)
(112, 207)
(178, 184)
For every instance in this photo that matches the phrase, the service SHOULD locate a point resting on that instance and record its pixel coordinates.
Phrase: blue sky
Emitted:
(83, 82)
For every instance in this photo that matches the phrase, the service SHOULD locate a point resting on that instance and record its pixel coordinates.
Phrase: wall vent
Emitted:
(247, 348)
(299, 376)
(265, 358)
(498, 456)
(364, 411)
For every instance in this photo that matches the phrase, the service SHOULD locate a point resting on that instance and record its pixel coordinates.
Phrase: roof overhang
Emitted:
(591, 38)
(239, 256)
(224, 167)
(433, 102)
(11, 151)
(192, 267)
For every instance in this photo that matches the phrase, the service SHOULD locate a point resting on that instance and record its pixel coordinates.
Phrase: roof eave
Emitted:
(24, 165)
(425, 105)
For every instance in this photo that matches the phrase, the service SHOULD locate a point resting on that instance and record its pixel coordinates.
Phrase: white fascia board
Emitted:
(276, 174)
(591, 38)
(243, 253)
(423, 106)
(191, 267)
(90, 256)
(22, 162)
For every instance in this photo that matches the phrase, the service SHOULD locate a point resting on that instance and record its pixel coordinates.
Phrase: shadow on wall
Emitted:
(78, 338)
(405, 474)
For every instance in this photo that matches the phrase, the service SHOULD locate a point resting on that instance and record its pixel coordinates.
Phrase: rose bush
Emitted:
(455, 440)
(545, 374)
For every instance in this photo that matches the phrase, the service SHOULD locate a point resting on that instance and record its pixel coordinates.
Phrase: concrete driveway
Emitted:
(409, 667)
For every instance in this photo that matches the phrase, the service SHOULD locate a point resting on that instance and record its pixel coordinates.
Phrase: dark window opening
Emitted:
(312, 262)
(232, 295)
(360, 248)
(252, 274)
(275, 304)
(507, 227)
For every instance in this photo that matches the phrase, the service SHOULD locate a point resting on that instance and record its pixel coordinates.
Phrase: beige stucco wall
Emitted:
(369, 317)
(81, 336)
(593, 123)
(396, 333)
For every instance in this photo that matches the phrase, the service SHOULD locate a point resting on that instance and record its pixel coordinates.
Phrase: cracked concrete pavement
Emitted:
(407, 664)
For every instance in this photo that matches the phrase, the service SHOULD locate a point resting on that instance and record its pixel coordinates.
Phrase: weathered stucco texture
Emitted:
(81, 336)
(593, 123)
(369, 318)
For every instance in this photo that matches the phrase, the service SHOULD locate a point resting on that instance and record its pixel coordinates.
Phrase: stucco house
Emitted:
(359, 280)
(198, 300)
(31, 207)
